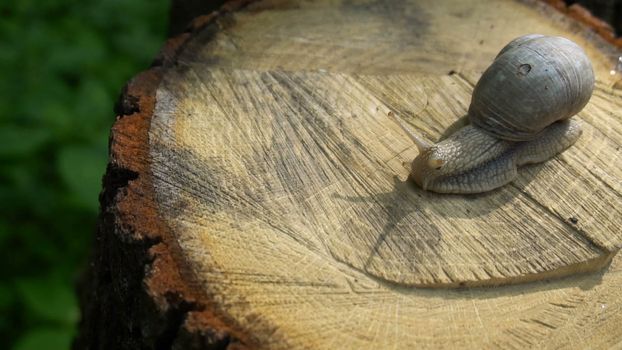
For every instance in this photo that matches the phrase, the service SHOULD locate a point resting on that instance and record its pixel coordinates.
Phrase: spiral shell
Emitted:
(533, 82)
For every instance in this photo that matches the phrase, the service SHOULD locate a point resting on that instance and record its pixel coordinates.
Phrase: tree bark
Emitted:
(257, 196)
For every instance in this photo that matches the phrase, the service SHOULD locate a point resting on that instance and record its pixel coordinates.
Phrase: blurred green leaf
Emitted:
(83, 49)
(49, 299)
(82, 169)
(56, 115)
(45, 339)
(20, 142)
(6, 296)
(7, 299)
(4, 232)
(93, 102)
(62, 63)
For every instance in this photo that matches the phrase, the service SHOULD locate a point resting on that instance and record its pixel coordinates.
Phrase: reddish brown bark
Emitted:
(135, 293)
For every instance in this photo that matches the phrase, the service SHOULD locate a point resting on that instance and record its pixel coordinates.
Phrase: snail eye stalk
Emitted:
(421, 143)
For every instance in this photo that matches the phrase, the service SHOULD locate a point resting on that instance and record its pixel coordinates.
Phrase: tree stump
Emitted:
(257, 196)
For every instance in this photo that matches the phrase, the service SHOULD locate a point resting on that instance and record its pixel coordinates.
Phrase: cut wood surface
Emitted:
(277, 187)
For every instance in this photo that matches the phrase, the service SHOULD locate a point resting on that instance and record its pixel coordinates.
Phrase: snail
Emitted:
(519, 114)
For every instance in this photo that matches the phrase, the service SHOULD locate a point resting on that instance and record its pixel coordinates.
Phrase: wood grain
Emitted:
(320, 163)
(289, 187)
(284, 185)
(384, 37)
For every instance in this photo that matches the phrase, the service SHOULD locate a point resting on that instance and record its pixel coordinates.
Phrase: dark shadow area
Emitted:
(609, 11)
(396, 204)
(182, 12)
(406, 198)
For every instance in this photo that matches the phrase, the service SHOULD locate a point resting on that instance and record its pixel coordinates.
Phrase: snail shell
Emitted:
(519, 114)
(534, 81)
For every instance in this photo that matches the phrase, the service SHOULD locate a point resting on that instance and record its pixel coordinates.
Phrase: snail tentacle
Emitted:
(419, 141)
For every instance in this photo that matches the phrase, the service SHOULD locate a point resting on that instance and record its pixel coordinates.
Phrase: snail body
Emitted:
(519, 114)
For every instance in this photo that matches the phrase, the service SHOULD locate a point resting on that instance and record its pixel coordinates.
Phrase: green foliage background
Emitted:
(62, 65)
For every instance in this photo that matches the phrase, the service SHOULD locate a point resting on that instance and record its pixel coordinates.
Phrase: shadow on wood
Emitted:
(270, 205)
